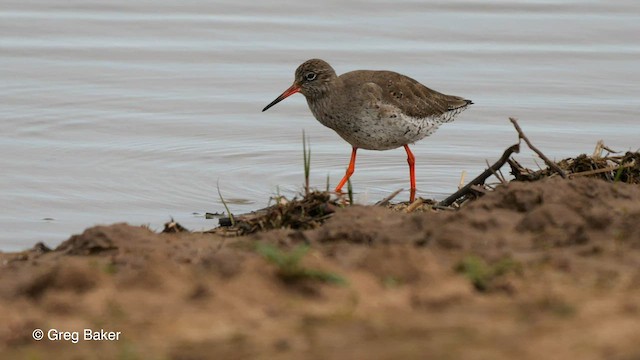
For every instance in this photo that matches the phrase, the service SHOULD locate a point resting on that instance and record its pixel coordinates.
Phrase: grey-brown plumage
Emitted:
(375, 110)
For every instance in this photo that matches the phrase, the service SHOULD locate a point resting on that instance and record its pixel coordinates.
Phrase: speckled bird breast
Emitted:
(378, 126)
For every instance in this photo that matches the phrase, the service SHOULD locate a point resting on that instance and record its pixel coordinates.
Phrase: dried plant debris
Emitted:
(614, 168)
(306, 213)
(419, 206)
(621, 168)
(173, 227)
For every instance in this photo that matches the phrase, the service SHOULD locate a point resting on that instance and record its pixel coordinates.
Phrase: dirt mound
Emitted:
(553, 212)
(513, 274)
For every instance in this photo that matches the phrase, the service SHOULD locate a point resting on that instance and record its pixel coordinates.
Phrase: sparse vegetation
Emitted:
(290, 268)
(306, 156)
(224, 203)
(328, 186)
(482, 274)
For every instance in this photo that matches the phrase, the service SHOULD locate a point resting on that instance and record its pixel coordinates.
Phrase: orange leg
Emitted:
(350, 170)
(412, 172)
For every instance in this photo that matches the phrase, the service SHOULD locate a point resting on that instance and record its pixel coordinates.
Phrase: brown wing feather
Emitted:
(413, 98)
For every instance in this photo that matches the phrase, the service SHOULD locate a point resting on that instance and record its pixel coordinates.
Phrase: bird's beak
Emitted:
(290, 91)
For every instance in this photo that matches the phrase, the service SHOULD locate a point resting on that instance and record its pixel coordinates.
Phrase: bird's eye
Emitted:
(310, 76)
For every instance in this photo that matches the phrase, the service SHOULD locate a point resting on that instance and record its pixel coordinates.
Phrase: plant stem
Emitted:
(306, 154)
(233, 222)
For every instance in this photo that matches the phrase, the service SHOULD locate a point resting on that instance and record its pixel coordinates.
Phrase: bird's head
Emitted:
(313, 79)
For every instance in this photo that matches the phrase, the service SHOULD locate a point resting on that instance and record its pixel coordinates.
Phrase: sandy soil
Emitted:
(533, 270)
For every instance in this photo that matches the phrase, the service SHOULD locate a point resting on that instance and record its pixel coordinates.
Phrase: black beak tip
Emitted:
(272, 103)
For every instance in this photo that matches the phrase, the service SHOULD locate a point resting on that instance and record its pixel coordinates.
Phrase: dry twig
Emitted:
(549, 163)
(386, 200)
(462, 176)
(497, 174)
(482, 177)
(599, 171)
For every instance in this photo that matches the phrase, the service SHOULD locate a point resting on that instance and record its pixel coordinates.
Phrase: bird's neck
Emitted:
(320, 105)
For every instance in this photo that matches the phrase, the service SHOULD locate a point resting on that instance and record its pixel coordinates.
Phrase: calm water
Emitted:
(132, 111)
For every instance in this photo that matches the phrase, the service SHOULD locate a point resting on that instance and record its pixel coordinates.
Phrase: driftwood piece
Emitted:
(520, 172)
(414, 205)
(549, 163)
(227, 222)
(482, 177)
(386, 200)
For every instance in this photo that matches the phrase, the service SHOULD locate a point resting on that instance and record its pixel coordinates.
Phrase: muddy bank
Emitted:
(532, 270)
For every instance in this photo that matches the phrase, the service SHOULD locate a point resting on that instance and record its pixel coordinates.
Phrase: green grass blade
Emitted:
(233, 221)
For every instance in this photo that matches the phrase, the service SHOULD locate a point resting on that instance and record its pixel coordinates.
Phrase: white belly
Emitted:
(379, 126)
(387, 132)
